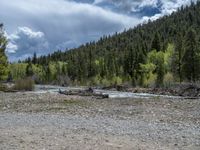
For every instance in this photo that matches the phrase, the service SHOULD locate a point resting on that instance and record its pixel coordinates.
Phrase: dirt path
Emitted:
(53, 121)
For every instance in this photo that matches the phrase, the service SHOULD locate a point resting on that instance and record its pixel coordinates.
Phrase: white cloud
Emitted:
(165, 6)
(61, 21)
(66, 23)
(169, 6)
(24, 42)
(128, 5)
(148, 3)
(11, 48)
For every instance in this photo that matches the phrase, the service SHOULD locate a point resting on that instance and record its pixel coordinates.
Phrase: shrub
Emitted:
(3, 87)
(105, 82)
(95, 81)
(26, 84)
(150, 81)
(168, 80)
(116, 80)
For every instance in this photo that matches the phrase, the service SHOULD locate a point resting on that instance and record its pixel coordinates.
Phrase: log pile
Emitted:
(87, 92)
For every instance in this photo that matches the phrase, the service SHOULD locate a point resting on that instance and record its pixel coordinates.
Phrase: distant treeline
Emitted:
(157, 53)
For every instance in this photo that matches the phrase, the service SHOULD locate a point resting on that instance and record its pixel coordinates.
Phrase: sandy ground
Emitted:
(53, 121)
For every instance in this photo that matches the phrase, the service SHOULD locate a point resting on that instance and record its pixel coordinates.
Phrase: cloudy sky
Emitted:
(43, 26)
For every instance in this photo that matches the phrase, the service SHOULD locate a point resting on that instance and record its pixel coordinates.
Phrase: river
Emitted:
(112, 94)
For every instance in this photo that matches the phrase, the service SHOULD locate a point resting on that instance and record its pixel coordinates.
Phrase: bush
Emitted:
(3, 87)
(168, 80)
(150, 81)
(105, 82)
(95, 81)
(116, 80)
(24, 85)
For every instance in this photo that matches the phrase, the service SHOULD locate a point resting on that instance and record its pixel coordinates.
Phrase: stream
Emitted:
(112, 94)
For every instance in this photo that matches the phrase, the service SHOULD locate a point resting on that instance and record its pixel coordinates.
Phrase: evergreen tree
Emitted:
(34, 60)
(29, 70)
(3, 57)
(177, 58)
(160, 69)
(121, 54)
(191, 58)
(156, 44)
(48, 73)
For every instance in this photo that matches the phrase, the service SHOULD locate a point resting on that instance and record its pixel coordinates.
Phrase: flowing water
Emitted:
(112, 94)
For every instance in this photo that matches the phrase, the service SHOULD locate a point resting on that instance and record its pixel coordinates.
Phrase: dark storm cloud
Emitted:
(62, 23)
(43, 26)
(131, 6)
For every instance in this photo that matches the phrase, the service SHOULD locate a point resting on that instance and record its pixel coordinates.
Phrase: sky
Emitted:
(44, 26)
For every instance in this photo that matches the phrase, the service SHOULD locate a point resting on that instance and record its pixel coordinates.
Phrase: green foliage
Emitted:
(116, 80)
(3, 58)
(168, 80)
(39, 74)
(168, 56)
(139, 56)
(156, 71)
(160, 69)
(176, 63)
(150, 81)
(3, 87)
(191, 57)
(156, 44)
(34, 59)
(105, 82)
(96, 80)
(17, 70)
(147, 73)
(29, 70)
(156, 65)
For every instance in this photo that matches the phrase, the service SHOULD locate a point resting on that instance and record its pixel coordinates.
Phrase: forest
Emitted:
(155, 54)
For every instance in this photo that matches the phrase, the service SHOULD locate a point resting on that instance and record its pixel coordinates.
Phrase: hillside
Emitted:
(147, 54)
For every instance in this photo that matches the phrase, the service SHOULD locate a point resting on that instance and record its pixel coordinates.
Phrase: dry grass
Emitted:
(26, 84)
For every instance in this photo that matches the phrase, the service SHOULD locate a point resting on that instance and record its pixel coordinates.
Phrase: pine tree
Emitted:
(122, 53)
(29, 70)
(177, 58)
(191, 58)
(160, 69)
(156, 44)
(47, 70)
(3, 57)
(34, 60)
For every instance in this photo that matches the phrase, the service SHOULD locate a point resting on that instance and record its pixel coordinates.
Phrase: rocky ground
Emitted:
(54, 121)
(185, 90)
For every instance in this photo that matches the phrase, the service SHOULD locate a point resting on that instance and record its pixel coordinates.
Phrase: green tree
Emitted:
(3, 57)
(29, 70)
(160, 69)
(176, 64)
(191, 58)
(156, 44)
(48, 73)
(120, 54)
(155, 64)
(131, 63)
(34, 59)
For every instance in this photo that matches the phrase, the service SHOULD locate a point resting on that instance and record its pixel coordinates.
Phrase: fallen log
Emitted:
(88, 92)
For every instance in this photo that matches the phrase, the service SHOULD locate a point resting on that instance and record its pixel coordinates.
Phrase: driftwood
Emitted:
(88, 92)
(11, 91)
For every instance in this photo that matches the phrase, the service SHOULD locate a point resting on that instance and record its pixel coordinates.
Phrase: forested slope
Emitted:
(165, 50)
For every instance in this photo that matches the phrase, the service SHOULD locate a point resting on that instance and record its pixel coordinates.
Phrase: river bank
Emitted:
(54, 121)
(184, 90)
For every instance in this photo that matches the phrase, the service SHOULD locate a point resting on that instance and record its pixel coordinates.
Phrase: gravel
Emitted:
(53, 121)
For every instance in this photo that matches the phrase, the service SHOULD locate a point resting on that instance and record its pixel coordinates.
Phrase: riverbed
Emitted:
(111, 93)
(45, 119)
